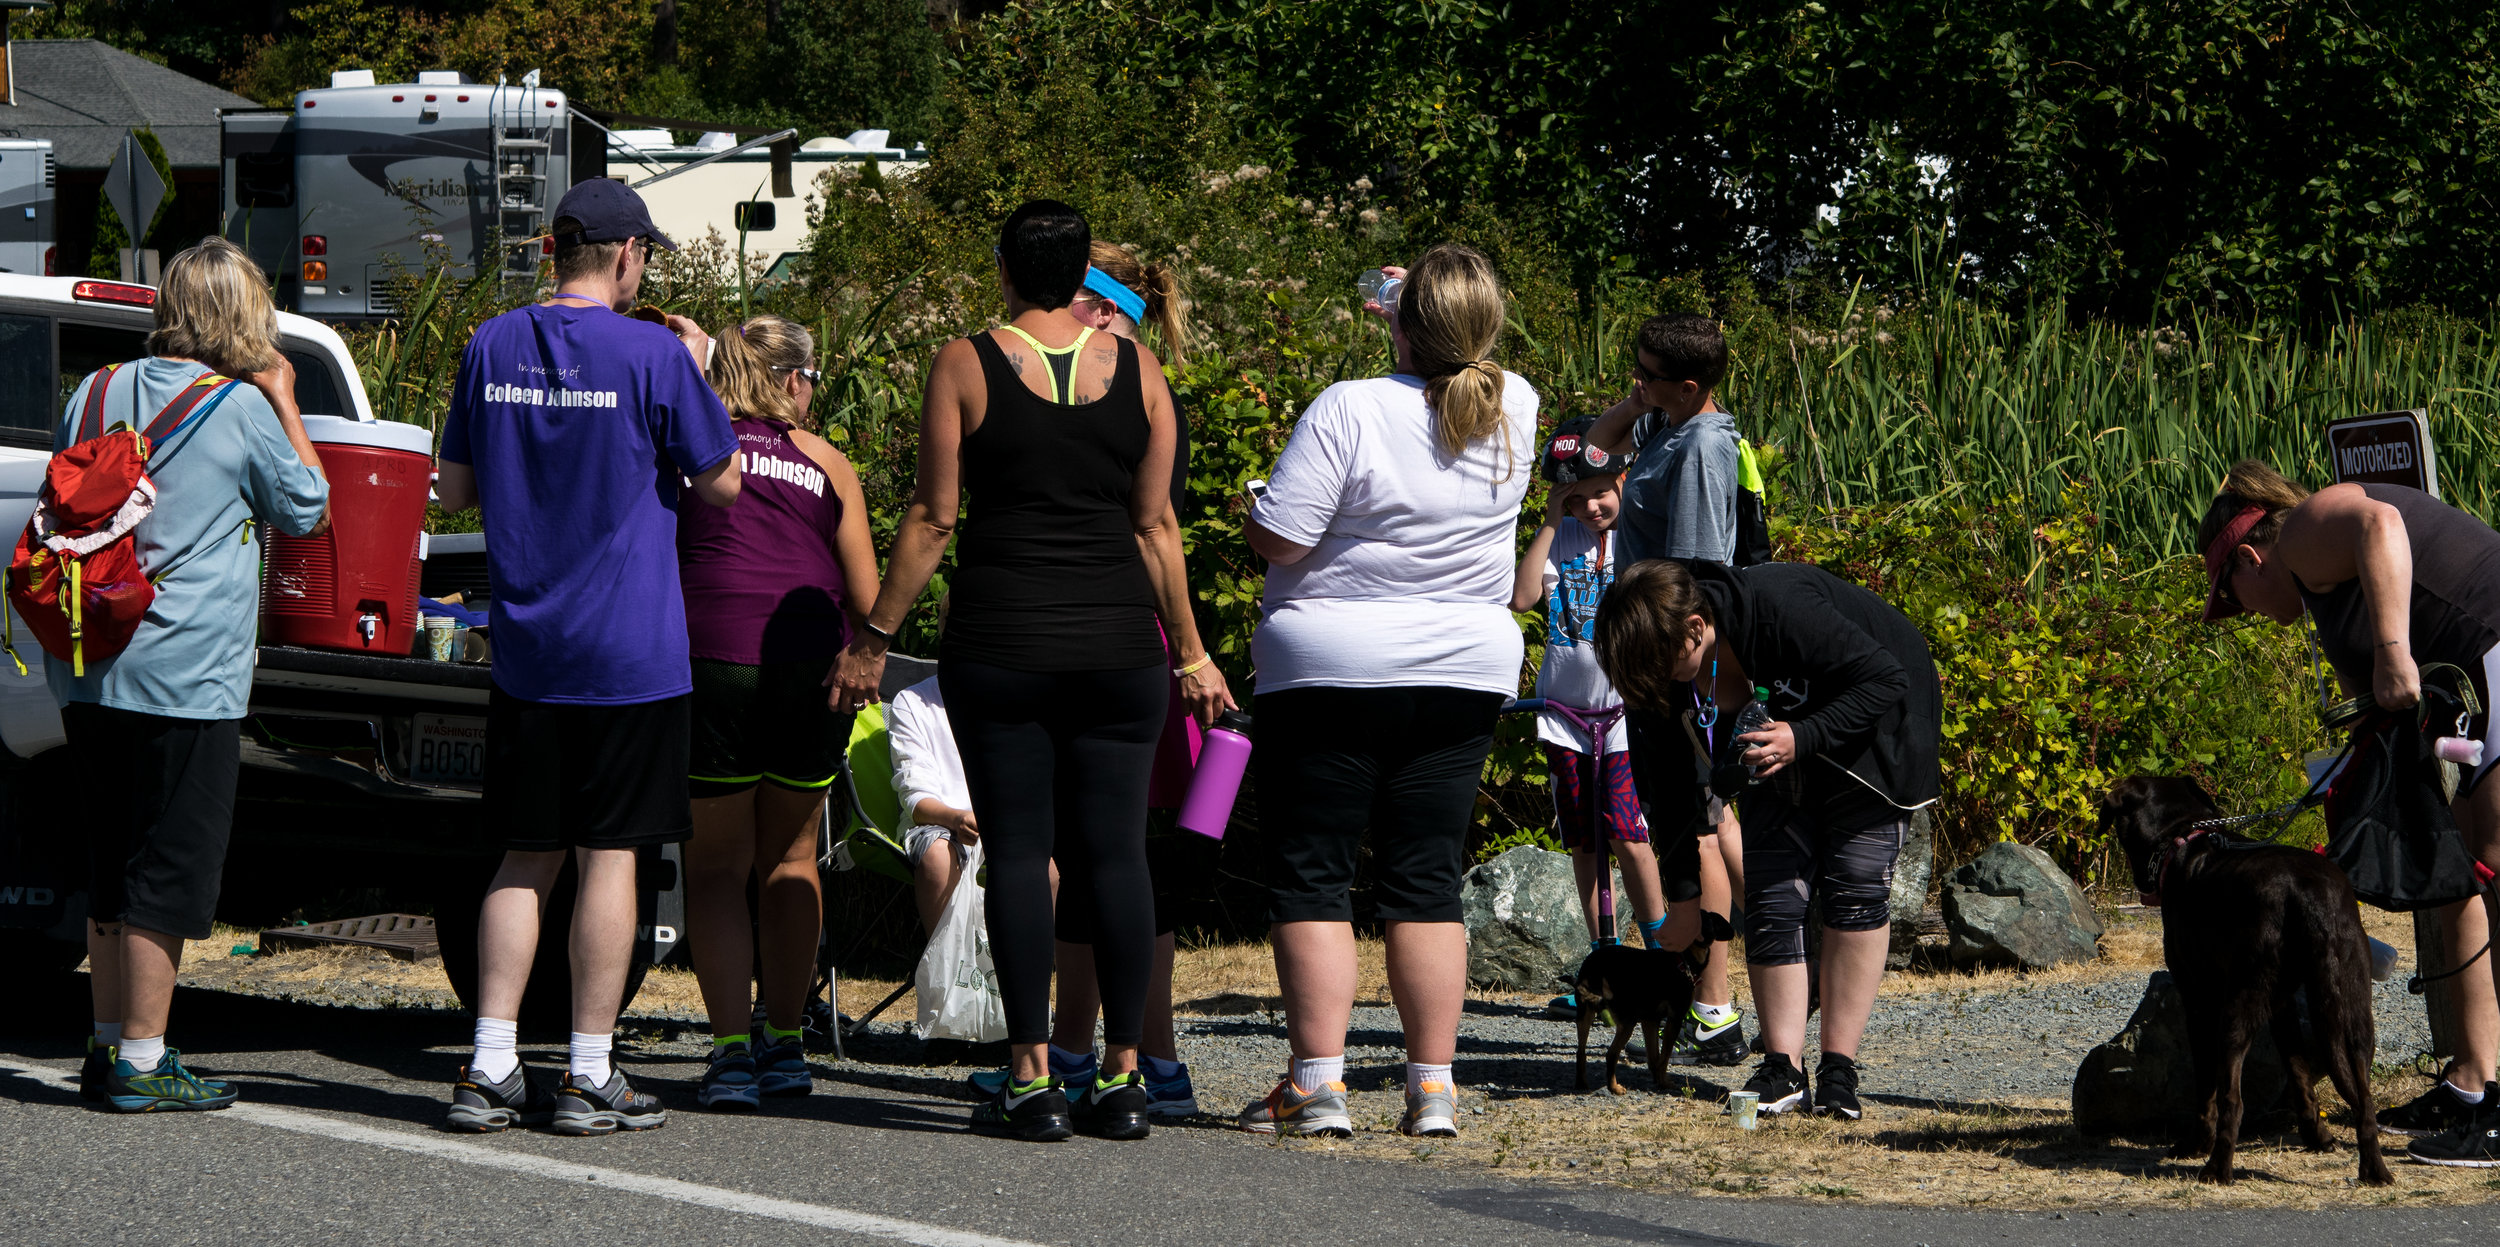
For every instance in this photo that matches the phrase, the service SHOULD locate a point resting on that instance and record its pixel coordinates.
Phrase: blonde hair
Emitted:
(1452, 314)
(213, 306)
(744, 361)
(2251, 483)
(1167, 304)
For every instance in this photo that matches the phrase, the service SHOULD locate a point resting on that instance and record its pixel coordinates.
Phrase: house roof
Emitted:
(84, 95)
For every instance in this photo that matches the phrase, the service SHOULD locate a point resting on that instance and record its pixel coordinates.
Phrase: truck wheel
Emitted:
(547, 1003)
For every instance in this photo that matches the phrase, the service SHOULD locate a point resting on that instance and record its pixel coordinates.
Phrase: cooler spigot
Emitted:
(367, 624)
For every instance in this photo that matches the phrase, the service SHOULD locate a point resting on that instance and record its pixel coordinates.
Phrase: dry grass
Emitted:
(1975, 1156)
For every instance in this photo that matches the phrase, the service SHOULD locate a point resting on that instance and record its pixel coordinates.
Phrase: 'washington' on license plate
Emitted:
(449, 749)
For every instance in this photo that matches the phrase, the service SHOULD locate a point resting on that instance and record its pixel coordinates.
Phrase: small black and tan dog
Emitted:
(2244, 925)
(1644, 987)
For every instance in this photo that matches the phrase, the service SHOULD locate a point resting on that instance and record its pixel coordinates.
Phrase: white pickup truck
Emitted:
(357, 789)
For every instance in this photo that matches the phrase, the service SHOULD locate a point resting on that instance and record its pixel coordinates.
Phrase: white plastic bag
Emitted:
(957, 983)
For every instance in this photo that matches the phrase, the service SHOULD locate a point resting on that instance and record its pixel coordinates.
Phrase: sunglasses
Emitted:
(2228, 589)
(814, 376)
(1640, 373)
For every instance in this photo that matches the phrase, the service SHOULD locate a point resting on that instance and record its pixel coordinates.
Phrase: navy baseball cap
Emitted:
(1570, 457)
(609, 211)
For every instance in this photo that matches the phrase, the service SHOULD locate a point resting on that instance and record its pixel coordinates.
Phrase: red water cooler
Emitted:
(354, 587)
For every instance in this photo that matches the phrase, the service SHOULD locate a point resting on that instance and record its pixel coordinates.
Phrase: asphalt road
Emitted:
(335, 1142)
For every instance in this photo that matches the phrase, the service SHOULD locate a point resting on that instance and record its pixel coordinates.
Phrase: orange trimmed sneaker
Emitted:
(1289, 1110)
(1431, 1112)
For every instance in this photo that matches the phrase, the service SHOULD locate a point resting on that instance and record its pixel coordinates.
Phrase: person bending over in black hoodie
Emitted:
(1824, 792)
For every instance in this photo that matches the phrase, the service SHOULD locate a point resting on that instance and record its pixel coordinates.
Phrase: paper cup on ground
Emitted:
(1745, 1107)
(440, 632)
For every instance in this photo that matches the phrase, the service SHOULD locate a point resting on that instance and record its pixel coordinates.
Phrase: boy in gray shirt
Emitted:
(1679, 496)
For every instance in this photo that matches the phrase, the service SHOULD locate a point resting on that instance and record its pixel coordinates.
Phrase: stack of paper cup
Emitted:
(441, 635)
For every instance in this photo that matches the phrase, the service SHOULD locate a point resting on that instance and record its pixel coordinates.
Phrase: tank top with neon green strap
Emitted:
(1047, 572)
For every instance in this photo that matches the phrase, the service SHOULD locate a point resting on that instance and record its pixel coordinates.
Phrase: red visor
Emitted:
(2218, 561)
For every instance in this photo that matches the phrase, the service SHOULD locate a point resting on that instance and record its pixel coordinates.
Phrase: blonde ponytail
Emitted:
(748, 363)
(1167, 303)
(1451, 312)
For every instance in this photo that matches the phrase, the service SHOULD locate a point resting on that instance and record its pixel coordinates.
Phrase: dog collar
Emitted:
(2162, 863)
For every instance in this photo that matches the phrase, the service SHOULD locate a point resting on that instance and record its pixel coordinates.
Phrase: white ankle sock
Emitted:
(497, 1050)
(1418, 1075)
(2470, 1097)
(107, 1034)
(590, 1063)
(1715, 1016)
(1318, 1072)
(143, 1054)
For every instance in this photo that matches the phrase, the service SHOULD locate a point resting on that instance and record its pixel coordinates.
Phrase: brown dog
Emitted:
(2244, 925)
(1642, 987)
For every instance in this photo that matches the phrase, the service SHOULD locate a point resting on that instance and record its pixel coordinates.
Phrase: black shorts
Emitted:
(1401, 762)
(157, 809)
(768, 724)
(561, 776)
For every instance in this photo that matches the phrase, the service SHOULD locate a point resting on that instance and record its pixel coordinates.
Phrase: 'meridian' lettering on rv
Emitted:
(532, 396)
(440, 189)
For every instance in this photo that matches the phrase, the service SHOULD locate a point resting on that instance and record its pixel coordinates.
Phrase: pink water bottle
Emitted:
(1222, 757)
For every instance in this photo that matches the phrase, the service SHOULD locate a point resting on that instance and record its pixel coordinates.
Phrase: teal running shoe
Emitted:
(167, 1088)
(728, 1080)
(781, 1069)
(1168, 1092)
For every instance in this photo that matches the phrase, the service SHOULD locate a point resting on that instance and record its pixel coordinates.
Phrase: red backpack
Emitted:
(76, 578)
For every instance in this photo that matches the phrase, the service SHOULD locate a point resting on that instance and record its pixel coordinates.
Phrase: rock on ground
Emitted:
(2011, 905)
(2144, 1078)
(1525, 932)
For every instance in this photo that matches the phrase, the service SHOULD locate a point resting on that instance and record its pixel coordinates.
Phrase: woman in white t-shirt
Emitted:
(1386, 651)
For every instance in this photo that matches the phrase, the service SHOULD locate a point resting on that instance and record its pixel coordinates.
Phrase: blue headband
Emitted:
(1121, 297)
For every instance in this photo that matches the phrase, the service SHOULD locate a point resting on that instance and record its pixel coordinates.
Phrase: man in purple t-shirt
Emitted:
(571, 428)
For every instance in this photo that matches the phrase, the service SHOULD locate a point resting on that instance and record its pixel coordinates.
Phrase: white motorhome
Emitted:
(361, 180)
(735, 193)
(26, 233)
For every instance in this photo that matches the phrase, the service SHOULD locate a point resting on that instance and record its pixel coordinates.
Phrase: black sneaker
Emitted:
(482, 1107)
(94, 1071)
(2437, 1111)
(1722, 1045)
(587, 1110)
(1781, 1085)
(2473, 1147)
(1836, 1087)
(1114, 1108)
(1036, 1111)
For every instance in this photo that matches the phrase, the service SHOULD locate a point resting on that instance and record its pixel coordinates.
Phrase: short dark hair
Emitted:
(1045, 248)
(576, 259)
(1687, 348)
(1642, 625)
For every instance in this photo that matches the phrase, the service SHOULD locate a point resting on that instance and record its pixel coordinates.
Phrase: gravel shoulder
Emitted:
(1969, 1072)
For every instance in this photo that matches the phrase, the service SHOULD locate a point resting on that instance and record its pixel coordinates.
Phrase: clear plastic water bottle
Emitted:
(1377, 286)
(1753, 718)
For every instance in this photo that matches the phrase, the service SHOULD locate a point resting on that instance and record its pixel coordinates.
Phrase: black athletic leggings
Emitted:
(1062, 756)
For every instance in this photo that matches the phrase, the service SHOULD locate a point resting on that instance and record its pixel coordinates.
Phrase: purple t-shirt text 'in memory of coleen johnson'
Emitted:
(580, 424)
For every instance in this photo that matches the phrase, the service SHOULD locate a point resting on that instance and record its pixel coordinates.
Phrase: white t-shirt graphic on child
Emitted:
(1576, 575)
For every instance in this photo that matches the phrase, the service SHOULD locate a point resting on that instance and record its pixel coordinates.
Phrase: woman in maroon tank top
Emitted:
(774, 586)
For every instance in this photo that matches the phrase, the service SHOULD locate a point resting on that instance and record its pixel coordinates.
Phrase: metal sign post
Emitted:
(2389, 448)
(135, 189)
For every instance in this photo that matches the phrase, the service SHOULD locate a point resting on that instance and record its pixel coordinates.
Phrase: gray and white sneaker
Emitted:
(587, 1110)
(479, 1106)
(1431, 1112)
(1289, 1110)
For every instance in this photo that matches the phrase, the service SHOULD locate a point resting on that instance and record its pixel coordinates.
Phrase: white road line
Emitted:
(467, 1153)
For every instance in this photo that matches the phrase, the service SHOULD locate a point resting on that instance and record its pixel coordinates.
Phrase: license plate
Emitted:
(449, 750)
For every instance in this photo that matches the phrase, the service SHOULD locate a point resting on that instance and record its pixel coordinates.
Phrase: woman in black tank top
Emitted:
(2393, 579)
(1054, 680)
